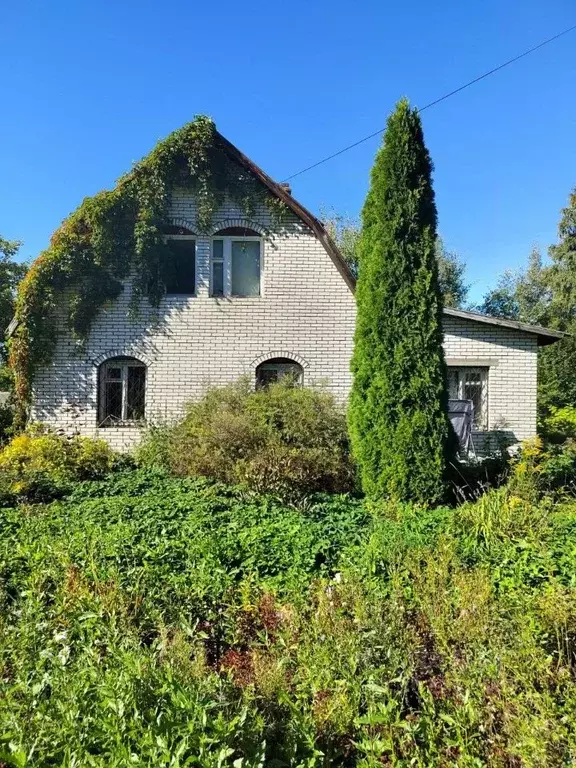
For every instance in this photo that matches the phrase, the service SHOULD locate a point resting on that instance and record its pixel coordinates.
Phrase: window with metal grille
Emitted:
(122, 391)
(471, 384)
(276, 369)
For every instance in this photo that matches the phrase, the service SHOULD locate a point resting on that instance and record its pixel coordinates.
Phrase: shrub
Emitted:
(153, 620)
(40, 465)
(281, 439)
(561, 424)
(543, 468)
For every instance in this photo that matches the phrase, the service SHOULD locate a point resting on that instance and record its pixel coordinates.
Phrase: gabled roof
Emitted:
(302, 213)
(545, 335)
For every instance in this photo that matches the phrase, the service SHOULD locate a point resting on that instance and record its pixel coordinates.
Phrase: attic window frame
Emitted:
(226, 261)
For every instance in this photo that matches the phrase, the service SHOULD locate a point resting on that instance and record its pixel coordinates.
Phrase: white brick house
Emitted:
(252, 298)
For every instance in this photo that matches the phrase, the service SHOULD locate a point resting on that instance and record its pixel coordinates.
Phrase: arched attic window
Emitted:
(279, 369)
(179, 268)
(121, 391)
(236, 262)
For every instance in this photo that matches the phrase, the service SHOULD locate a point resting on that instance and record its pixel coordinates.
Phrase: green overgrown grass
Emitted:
(147, 620)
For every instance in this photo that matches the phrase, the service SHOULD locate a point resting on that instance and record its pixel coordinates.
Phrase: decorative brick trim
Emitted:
(248, 223)
(185, 223)
(135, 353)
(278, 353)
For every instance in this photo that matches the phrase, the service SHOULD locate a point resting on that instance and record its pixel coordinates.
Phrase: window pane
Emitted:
(218, 249)
(113, 400)
(278, 369)
(246, 268)
(453, 381)
(217, 278)
(180, 267)
(114, 373)
(474, 388)
(266, 376)
(136, 386)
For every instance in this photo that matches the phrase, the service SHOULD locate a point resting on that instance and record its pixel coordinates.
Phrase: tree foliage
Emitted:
(501, 301)
(398, 422)
(545, 294)
(557, 386)
(345, 231)
(11, 272)
(451, 276)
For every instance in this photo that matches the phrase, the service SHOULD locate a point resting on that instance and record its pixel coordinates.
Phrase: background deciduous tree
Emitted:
(545, 294)
(11, 272)
(451, 273)
(345, 231)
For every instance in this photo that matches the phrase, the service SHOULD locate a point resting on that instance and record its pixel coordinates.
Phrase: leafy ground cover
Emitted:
(150, 620)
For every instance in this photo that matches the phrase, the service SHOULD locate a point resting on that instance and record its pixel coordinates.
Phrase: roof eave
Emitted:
(545, 335)
(297, 208)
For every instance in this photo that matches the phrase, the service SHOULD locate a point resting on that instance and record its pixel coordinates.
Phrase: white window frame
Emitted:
(227, 241)
(124, 364)
(483, 372)
(186, 237)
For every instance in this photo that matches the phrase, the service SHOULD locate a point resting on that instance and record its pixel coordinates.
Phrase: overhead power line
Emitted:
(436, 101)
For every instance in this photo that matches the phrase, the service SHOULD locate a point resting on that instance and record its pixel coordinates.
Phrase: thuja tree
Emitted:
(398, 408)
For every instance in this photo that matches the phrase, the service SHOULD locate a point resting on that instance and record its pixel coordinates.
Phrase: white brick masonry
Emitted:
(306, 312)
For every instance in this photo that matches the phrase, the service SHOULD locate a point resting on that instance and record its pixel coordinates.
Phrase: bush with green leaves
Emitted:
(560, 424)
(282, 439)
(39, 465)
(153, 620)
(543, 468)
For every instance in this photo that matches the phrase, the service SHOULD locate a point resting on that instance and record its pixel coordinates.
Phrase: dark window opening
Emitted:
(180, 266)
(279, 369)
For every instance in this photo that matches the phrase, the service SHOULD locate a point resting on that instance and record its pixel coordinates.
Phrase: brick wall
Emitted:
(511, 358)
(306, 311)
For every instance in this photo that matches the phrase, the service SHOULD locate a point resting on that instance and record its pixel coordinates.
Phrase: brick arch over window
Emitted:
(240, 223)
(112, 353)
(276, 354)
(186, 227)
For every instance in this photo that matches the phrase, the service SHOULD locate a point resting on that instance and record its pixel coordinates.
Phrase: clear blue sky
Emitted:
(87, 88)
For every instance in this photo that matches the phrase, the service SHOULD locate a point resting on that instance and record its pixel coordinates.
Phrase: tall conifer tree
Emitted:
(398, 407)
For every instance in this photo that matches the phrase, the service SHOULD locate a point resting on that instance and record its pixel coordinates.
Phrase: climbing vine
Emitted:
(120, 232)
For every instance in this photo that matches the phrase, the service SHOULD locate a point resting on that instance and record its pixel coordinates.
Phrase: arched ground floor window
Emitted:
(279, 368)
(122, 391)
